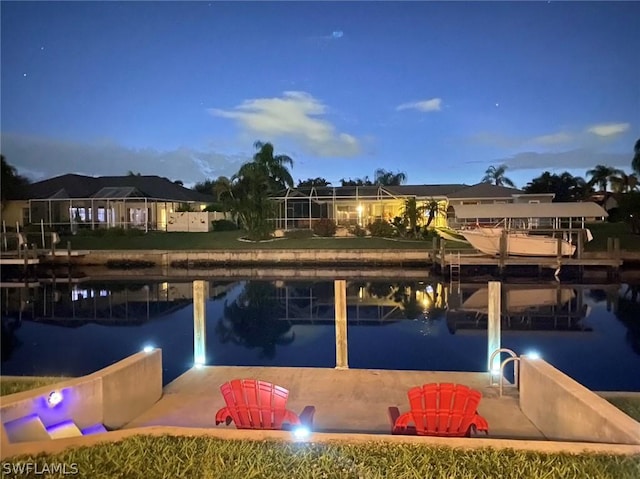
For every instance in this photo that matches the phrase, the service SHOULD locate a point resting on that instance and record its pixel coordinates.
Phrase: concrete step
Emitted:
(64, 429)
(95, 429)
(25, 429)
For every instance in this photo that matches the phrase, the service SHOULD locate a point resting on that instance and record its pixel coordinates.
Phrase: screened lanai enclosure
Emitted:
(299, 208)
(111, 207)
(72, 202)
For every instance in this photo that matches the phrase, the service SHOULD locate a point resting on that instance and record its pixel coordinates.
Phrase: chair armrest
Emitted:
(400, 422)
(393, 413)
(306, 416)
(480, 424)
(223, 415)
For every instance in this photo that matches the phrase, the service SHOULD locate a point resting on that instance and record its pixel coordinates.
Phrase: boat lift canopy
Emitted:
(530, 210)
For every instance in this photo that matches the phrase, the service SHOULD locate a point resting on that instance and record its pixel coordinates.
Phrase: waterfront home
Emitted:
(70, 200)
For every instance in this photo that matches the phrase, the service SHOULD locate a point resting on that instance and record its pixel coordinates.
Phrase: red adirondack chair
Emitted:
(443, 409)
(253, 404)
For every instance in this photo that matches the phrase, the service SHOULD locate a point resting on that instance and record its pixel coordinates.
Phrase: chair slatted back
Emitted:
(255, 404)
(444, 408)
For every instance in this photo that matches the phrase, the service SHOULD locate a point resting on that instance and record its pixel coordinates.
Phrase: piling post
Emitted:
(340, 288)
(434, 252)
(493, 323)
(503, 252)
(580, 251)
(616, 257)
(199, 322)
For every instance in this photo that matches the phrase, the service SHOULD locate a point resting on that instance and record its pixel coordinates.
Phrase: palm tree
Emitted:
(313, 182)
(276, 166)
(432, 209)
(601, 175)
(495, 176)
(389, 178)
(247, 193)
(624, 183)
(11, 182)
(635, 163)
(411, 215)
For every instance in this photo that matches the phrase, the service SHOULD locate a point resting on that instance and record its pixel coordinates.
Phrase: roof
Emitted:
(485, 190)
(530, 210)
(423, 191)
(130, 186)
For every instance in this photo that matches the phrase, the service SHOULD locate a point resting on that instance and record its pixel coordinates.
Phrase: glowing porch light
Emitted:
(55, 398)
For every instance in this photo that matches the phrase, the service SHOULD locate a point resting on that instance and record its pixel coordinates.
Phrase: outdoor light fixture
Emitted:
(55, 398)
(148, 349)
(199, 362)
(301, 432)
(533, 355)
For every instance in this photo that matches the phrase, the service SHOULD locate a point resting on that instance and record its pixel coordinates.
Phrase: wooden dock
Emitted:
(452, 263)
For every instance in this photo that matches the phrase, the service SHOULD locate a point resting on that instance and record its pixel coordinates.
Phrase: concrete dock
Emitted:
(346, 400)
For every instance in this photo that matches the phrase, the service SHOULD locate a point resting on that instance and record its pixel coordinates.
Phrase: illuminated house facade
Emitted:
(362, 205)
(102, 202)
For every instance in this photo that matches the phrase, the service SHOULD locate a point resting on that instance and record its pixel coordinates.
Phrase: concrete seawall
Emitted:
(209, 258)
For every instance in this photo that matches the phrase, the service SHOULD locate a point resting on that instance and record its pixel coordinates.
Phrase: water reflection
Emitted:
(427, 324)
(253, 320)
(628, 313)
(524, 307)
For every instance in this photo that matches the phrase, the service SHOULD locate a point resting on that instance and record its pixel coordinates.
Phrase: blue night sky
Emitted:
(438, 90)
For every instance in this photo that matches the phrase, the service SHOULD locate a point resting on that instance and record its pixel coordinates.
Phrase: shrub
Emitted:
(381, 229)
(298, 234)
(324, 227)
(224, 225)
(359, 231)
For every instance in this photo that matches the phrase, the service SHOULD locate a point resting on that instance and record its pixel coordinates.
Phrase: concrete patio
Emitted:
(346, 400)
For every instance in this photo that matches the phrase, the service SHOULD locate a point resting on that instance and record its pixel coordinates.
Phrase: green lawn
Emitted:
(11, 386)
(602, 231)
(199, 457)
(630, 405)
(230, 240)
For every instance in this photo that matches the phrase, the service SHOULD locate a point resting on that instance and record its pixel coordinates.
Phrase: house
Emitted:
(361, 205)
(70, 201)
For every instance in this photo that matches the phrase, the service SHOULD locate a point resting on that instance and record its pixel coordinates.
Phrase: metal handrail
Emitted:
(493, 355)
(515, 371)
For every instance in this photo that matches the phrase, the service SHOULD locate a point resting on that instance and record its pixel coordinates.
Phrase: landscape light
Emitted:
(55, 398)
(199, 362)
(533, 355)
(148, 349)
(301, 432)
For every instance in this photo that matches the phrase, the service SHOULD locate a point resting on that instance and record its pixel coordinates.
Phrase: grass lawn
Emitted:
(602, 231)
(630, 405)
(229, 240)
(198, 457)
(11, 386)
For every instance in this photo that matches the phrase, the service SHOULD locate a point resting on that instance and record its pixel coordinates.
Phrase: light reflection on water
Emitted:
(590, 332)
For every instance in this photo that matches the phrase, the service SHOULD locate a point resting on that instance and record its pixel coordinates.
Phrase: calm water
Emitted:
(590, 332)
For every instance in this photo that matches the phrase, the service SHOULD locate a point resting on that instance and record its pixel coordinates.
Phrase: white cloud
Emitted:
(608, 129)
(39, 158)
(552, 139)
(434, 104)
(294, 116)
